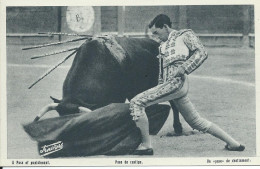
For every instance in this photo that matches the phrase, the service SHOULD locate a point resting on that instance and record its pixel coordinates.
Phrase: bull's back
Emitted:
(142, 64)
(97, 78)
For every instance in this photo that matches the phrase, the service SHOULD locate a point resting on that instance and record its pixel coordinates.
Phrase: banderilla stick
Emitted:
(56, 43)
(49, 71)
(64, 34)
(54, 53)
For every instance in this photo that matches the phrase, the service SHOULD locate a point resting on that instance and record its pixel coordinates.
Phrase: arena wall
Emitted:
(216, 25)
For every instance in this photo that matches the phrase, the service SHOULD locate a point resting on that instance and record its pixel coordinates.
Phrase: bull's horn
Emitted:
(45, 109)
(84, 110)
(55, 100)
(55, 43)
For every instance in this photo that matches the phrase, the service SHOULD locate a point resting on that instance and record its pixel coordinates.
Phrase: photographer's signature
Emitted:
(48, 149)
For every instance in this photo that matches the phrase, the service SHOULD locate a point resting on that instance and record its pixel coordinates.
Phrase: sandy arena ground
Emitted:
(222, 89)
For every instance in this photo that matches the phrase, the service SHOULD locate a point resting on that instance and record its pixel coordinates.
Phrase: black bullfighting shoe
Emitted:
(240, 148)
(148, 151)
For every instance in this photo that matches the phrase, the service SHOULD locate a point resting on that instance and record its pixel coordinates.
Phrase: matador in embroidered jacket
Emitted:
(180, 54)
(182, 49)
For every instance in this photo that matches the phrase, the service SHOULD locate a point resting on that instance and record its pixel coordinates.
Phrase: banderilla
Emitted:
(64, 34)
(49, 71)
(55, 43)
(54, 53)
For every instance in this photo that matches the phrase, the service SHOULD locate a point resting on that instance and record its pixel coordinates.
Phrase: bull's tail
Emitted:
(45, 109)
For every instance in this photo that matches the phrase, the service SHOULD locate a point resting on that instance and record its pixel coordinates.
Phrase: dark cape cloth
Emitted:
(109, 130)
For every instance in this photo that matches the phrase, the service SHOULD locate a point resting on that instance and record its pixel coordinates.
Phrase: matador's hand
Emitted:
(180, 72)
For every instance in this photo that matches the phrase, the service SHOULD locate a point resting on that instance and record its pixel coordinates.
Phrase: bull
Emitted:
(99, 77)
(104, 71)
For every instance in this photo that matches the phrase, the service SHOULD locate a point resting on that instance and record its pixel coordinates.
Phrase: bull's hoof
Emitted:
(177, 128)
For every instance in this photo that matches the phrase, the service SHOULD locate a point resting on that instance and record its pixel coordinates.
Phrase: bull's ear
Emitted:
(55, 100)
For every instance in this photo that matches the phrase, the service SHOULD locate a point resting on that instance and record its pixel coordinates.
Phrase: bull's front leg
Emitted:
(176, 119)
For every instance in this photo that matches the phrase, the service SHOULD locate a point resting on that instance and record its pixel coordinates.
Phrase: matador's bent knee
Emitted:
(137, 110)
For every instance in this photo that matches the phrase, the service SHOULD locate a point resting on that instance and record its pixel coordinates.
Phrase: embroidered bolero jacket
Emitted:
(183, 49)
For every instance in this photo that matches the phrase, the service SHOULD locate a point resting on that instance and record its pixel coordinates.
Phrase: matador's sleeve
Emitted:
(197, 52)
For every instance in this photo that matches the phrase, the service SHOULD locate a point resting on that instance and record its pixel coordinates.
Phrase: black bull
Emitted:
(97, 78)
